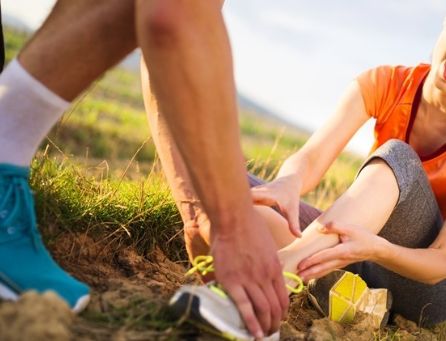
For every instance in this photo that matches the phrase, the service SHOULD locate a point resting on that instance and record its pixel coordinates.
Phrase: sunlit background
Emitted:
(296, 57)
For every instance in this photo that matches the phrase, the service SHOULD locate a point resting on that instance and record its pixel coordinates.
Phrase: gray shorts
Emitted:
(414, 223)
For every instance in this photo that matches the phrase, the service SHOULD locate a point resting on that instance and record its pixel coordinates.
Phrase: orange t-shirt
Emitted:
(389, 93)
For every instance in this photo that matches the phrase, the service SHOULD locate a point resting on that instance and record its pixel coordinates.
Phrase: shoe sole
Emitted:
(10, 295)
(187, 305)
(349, 293)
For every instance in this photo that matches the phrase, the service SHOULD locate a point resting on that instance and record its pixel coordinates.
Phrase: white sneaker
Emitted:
(209, 308)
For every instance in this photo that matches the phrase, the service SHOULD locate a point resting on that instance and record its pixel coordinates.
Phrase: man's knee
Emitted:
(160, 19)
(166, 22)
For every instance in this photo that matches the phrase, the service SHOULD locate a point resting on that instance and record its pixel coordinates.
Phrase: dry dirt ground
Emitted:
(129, 289)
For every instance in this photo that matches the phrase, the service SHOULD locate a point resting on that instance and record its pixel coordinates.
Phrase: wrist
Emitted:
(295, 167)
(229, 219)
(382, 250)
(293, 180)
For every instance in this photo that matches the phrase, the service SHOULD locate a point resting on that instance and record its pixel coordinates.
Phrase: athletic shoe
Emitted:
(25, 264)
(209, 308)
(340, 294)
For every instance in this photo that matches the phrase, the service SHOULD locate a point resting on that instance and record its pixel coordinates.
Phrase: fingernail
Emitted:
(260, 335)
(321, 228)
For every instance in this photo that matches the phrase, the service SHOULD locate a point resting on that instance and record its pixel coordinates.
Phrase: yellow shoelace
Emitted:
(205, 265)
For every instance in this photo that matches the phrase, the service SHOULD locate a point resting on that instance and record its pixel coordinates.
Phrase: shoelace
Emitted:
(18, 189)
(205, 265)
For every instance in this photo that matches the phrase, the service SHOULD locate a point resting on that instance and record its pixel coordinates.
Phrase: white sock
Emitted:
(28, 110)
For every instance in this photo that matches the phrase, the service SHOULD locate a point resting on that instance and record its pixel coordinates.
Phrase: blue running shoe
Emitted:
(25, 264)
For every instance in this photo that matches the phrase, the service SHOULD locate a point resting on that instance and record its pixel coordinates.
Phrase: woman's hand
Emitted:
(283, 192)
(356, 244)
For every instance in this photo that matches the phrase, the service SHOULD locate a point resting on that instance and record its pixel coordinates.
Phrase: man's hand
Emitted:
(283, 192)
(357, 244)
(247, 266)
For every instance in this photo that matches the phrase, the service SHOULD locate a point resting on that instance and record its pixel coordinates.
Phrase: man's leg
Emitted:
(78, 42)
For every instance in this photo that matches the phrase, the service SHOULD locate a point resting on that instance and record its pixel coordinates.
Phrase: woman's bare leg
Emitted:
(368, 203)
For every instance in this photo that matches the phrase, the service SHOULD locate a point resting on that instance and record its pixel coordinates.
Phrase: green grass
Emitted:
(140, 212)
(14, 40)
(139, 313)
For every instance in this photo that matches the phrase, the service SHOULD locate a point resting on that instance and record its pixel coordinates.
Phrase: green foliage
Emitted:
(108, 120)
(108, 129)
(138, 313)
(14, 40)
(140, 213)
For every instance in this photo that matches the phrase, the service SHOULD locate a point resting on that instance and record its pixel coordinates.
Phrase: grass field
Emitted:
(97, 179)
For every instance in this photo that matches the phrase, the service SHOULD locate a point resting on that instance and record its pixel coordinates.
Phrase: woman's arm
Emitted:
(359, 244)
(424, 265)
(301, 172)
(312, 161)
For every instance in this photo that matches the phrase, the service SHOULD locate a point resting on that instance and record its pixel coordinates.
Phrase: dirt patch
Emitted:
(301, 314)
(36, 317)
(100, 264)
(304, 323)
(129, 296)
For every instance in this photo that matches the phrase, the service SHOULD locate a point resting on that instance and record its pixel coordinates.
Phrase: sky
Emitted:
(296, 57)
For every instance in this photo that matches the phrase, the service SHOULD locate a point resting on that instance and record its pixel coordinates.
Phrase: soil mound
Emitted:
(36, 317)
(130, 292)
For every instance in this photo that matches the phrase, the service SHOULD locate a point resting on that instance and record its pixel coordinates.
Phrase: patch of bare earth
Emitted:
(130, 292)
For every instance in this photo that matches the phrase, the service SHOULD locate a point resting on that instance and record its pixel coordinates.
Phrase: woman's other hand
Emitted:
(356, 244)
(283, 192)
